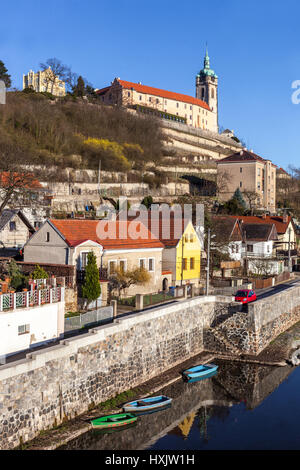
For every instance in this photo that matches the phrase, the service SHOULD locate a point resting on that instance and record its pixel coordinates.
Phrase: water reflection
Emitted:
(200, 411)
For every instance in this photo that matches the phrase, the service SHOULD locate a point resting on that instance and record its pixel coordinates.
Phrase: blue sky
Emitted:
(254, 47)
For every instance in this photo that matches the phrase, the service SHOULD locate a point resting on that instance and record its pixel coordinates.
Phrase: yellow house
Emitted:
(182, 252)
(188, 256)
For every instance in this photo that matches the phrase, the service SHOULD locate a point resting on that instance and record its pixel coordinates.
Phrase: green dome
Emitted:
(207, 71)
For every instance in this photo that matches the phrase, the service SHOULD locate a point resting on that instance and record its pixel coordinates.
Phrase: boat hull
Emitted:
(200, 372)
(113, 421)
(147, 404)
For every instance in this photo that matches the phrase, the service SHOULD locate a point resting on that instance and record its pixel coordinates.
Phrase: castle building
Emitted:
(199, 112)
(44, 80)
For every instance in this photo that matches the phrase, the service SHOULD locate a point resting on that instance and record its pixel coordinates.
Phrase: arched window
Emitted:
(212, 93)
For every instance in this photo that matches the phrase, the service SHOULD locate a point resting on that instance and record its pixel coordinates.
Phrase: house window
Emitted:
(191, 117)
(128, 94)
(191, 237)
(258, 185)
(241, 184)
(186, 238)
(84, 259)
(241, 170)
(151, 264)
(48, 237)
(192, 263)
(23, 329)
(123, 265)
(250, 248)
(157, 100)
(177, 105)
(140, 97)
(142, 263)
(112, 265)
(191, 108)
(258, 171)
(184, 263)
(150, 99)
(12, 226)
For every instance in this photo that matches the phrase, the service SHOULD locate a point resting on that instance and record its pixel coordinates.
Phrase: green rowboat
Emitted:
(113, 421)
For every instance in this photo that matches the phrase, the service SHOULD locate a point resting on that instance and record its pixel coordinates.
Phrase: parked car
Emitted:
(245, 296)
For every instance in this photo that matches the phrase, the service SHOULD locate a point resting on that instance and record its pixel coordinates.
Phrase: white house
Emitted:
(259, 240)
(227, 236)
(29, 319)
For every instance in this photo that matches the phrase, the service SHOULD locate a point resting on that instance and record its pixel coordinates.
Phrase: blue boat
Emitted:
(147, 404)
(202, 371)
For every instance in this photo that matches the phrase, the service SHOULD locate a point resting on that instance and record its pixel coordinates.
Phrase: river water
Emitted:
(244, 406)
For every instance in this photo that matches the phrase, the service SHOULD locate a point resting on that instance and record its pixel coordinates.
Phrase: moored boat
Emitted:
(201, 371)
(113, 421)
(147, 404)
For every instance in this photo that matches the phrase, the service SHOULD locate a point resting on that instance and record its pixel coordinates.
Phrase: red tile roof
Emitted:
(243, 156)
(121, 234)
(168, 233)
(280, 225)
(162, 93)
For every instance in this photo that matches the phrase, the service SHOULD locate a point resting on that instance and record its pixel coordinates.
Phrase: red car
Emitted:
(245, 296)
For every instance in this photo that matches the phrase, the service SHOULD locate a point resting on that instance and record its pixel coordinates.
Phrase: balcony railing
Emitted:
(285, 253)
(13, 301)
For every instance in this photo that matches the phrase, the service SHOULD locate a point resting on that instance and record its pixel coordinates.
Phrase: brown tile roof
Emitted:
(259, 232)
(169, 235)
(226, 228)
(280, 225)
(243, 156)
(78, 231)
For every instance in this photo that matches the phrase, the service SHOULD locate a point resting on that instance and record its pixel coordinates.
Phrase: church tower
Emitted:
(207, 88)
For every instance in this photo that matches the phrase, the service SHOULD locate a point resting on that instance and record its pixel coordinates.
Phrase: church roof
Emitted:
(207, 70)
(161, 93)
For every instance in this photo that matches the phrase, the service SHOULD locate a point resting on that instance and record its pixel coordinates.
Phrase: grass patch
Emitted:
(72, 314)
(115, 402)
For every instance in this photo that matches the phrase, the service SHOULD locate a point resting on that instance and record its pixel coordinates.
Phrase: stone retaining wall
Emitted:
(251, 330)
(63, 381)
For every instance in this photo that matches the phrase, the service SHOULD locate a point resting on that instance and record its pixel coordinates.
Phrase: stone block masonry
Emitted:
(249, 332)
(63, 381)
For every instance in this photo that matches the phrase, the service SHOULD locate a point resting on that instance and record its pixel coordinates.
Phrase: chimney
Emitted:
(285, 218)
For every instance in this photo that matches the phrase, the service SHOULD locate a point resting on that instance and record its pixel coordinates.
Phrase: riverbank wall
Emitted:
(56, 384)
(251, 330)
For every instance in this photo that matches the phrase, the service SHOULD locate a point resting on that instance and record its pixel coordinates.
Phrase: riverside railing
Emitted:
(32, 298)
(95, 317)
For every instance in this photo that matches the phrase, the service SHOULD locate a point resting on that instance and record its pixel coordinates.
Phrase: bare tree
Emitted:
(252, 199)
(54, 71)
(19, 179)
(222, 181)
(261, 266)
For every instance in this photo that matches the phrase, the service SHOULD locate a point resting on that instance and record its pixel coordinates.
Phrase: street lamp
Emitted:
(289, 252)
(208, 259)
